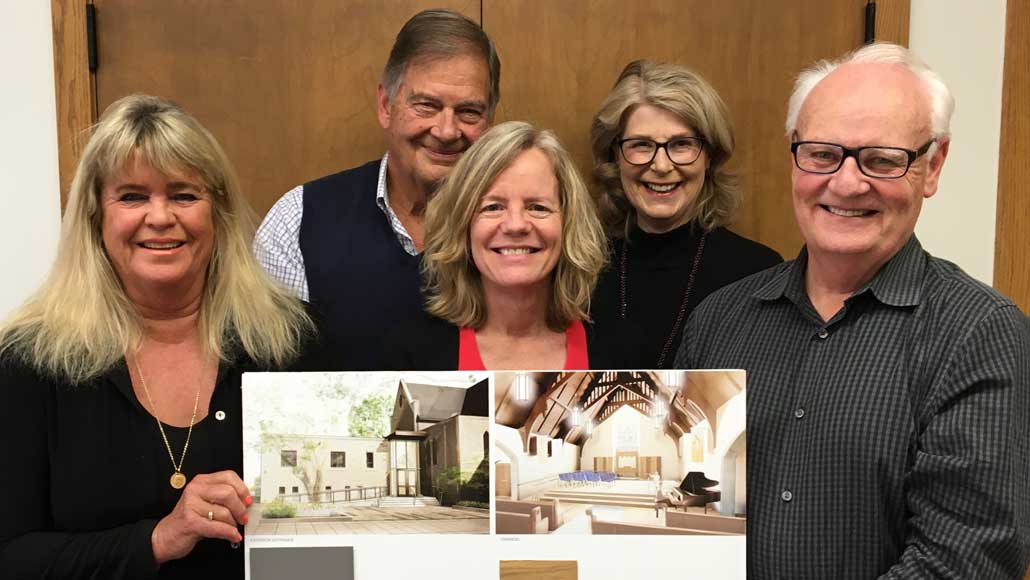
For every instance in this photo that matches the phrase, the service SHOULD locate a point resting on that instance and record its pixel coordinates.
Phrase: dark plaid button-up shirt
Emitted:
(891, 441)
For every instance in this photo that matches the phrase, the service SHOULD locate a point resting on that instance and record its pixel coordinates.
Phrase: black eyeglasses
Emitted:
(681, 150)
(877, 162)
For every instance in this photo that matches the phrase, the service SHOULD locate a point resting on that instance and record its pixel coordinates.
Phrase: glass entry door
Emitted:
(404, 467)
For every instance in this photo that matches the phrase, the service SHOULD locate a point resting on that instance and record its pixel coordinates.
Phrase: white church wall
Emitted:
(722, 464)
(741, 498)
(732, 421)
(533, 475)
(652, 442)
(600, 444)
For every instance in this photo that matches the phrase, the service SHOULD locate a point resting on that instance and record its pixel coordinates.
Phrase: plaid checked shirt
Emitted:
(890, 442)
(277, 243)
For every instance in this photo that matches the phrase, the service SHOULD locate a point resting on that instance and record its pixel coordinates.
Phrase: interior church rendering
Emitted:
(644, 452)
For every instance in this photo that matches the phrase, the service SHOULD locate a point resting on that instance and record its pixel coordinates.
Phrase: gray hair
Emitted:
(942, 103)
(441, 34)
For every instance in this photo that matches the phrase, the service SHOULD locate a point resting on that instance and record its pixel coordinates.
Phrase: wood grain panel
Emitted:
(649, 464)
(287, 87)
(750, 50)
(502, 480)
(623, 466)
(892, 20)
(539, 570)
(76, 107)
(1012, 236)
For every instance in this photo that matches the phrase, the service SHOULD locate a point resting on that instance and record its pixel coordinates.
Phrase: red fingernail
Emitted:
(249, 500)
(246, 518)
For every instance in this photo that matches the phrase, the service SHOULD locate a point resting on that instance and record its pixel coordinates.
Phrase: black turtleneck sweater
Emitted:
(657, 267)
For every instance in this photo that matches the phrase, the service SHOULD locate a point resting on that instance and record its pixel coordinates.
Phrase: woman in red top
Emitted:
(513, 251)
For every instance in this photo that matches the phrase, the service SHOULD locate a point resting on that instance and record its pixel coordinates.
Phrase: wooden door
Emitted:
(650, 464)
(626, 463)
(1012, 242)
(502, 480)
(1012, 239)
(287, 87)
(750, 50)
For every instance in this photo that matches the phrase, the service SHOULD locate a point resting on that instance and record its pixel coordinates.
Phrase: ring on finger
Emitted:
(210, 515)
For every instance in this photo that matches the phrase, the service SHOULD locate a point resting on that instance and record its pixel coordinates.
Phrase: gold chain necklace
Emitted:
(177, 480)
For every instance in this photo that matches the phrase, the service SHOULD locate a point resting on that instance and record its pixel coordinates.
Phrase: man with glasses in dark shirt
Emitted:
(888, 391)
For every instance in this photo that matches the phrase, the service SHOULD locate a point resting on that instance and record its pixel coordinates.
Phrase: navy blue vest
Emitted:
(360, 280)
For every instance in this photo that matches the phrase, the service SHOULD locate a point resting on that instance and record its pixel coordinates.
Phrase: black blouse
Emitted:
(657, 267)
(86, 478)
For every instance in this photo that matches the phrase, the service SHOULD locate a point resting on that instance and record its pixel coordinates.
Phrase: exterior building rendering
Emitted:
(330, 465)
(433, 429)
(437, 446)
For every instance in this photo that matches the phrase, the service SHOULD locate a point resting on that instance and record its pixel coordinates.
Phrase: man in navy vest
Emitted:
(349, 242)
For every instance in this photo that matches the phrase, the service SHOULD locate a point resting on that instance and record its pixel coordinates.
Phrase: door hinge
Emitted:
(91, 37)
(870, 22)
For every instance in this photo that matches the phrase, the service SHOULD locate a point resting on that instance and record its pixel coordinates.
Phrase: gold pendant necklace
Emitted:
(177, 480)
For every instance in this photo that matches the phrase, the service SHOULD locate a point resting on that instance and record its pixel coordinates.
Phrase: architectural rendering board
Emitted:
(626, 472)
(620, 452)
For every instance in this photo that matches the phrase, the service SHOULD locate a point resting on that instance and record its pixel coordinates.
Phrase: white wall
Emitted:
(355, 474)
(961, 39)
(965, 42)
(725, 460)
(652, 442)
(533, 475)
(30, 203)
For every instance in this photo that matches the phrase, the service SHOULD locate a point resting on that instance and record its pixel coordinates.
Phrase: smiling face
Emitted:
(439, 110)
(661, 192)
(157, 231)
(516, 233)
(848, 214)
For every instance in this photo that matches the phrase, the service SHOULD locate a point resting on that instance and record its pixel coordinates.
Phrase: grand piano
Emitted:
(695, 490)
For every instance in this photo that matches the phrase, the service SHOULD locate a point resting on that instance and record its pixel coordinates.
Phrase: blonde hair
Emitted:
(687, 95)
(453, 285)
(81, 322)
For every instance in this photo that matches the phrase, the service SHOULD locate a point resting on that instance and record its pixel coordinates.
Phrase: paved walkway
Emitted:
(373, 520)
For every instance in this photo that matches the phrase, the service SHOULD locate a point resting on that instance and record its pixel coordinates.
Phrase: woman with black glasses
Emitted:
(660, 142)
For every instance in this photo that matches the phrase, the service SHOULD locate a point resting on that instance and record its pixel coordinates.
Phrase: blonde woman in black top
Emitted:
(120, 378)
